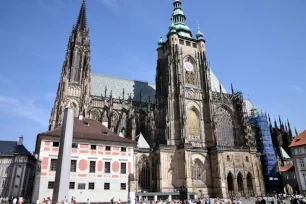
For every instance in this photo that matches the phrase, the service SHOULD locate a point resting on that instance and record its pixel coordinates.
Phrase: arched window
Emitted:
(144, 174)
(228, 158)
(95, 115)
(225, 128)
(240, 184)
(250, 185)
(246, 159)
(193, 124)
(75, 109)
(230, 184)
(198, 171)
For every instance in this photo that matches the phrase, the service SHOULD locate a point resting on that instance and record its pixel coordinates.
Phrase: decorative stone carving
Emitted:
(193, 93)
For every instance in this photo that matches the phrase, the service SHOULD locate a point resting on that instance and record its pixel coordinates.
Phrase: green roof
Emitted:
(178, 12)
(285, 154)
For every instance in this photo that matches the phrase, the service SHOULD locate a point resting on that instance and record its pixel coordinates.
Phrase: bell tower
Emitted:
(183, 92)
(74, 86)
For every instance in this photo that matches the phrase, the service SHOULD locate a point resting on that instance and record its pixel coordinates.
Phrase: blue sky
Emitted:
(259, 46)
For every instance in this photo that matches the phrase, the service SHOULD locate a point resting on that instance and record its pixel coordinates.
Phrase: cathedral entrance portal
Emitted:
(240, 184)
(250, 185)
(230, 184)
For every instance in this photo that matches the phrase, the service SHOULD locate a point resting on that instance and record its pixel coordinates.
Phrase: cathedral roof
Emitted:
(88, 129)
(134, 88)
(116, 85)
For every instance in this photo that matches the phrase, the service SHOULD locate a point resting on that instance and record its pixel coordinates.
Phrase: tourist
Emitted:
(65, 201)
(14, 200)
(88, 202)
(112, 200)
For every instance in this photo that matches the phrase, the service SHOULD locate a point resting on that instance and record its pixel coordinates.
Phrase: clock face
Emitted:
(188, 66)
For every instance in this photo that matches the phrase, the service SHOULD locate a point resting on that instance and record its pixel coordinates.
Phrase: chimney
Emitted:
(20, 140)
(80, 117)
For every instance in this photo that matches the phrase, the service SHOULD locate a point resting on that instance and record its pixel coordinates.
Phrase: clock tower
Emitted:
(183, 93)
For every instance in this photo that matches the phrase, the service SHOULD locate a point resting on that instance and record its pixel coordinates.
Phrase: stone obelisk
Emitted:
(62, 177)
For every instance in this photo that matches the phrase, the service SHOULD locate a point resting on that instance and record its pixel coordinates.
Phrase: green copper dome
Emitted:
(178, 12)
(160, 42)
(200, 35)
(179, 19)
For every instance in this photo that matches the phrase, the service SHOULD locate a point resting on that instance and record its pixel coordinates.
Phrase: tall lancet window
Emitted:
(144, 174)
(225, 128)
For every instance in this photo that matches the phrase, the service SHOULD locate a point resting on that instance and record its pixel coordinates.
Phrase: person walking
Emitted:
(88, 202)
(14, 200)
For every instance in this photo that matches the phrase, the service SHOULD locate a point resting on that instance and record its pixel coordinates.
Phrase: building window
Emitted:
(92, 167)
(287, 177)
(107, 148)
(53, 164)
(71, 185)
(246, 159)
(16, 186)
(50, 184)
(104, 133)
(194, 45)
(302, 163)
(144, 174)
(91, 186)
(181, 42)
(55, 144)
(188, 43)
(106, 186)
(228, 158)
(74, 145)
(123, 186)
(123, 149)
(81, 186)
(3, 183)
(123, 168)
(73, 166)
(107, 167)
(304, 176)
(93, 146)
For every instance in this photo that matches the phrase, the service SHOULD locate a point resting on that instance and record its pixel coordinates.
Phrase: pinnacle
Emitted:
(81, 22)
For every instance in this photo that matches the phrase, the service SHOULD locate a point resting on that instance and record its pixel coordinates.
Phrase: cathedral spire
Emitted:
(178, 18)
(81, 22)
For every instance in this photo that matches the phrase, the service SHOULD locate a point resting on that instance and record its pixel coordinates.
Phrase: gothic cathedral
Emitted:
(191, 134)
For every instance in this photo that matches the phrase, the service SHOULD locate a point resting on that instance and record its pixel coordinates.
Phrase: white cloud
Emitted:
(26, 108)
(110, 3)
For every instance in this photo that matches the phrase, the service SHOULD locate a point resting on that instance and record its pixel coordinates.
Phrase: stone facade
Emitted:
(191, 126)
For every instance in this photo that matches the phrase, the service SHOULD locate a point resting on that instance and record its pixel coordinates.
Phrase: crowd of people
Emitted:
(15, 200)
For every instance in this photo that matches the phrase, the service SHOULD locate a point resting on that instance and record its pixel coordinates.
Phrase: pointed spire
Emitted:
(81, 22)
(289, 128)
(220, 87)
(123, 94)
(232, 89)
(105, 91)
(296, 132)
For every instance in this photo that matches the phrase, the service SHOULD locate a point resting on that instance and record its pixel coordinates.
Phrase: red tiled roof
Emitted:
(93, 131)
(285, 168)
(299, 140)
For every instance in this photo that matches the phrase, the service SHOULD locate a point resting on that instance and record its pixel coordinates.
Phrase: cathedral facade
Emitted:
(200, 140)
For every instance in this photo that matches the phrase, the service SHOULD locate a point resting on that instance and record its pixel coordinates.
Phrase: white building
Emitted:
(100, 165)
